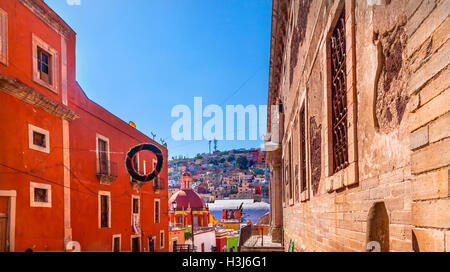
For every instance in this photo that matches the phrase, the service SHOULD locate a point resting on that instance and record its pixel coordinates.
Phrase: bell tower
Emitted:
(186, 181)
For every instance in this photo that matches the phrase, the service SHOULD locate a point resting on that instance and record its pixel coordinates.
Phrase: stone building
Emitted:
(359, 125)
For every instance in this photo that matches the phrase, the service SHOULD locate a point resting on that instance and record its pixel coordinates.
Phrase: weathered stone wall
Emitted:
(403, 125)
(428, 51)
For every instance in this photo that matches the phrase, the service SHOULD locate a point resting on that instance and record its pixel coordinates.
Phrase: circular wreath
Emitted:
(130, 163)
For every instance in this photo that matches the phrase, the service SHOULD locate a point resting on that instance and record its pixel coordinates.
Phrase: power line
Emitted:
(89, 193)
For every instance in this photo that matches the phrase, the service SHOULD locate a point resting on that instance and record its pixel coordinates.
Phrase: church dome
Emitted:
(187, 199)
(187, 174)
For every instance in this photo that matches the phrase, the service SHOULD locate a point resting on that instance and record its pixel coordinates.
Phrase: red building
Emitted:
(62, 161)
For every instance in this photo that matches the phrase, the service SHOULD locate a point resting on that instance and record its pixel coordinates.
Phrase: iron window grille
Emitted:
(339, 95)
(303, 150)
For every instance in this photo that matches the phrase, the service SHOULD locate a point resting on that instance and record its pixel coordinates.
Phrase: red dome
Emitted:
(187, 199)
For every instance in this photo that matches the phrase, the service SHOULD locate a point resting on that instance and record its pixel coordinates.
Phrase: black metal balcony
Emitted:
(184, 248)
(107, 171)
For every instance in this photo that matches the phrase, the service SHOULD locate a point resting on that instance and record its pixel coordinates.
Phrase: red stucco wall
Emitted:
(42, 229)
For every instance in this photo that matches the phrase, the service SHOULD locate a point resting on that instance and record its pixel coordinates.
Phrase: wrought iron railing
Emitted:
(158, 183)
(184, 248)
(107, 171)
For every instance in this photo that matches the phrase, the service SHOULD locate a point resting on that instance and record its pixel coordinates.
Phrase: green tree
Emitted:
(230, 158)
(242, 162)
(187, 234)
(222, 160)
(258, 171)
(214, 161)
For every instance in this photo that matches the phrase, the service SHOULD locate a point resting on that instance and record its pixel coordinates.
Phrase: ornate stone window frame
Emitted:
(31, 145)
(349, 175)
(3, 37)
(39, 43)
(37, 204)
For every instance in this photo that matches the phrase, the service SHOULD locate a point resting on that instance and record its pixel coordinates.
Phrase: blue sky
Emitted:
(140, 58)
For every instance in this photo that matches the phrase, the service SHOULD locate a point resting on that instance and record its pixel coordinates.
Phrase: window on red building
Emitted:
(40, 195)
(135, 205)
(136, 244)
(39, 139)
(156, 211)
(103, 156)
(104, 202)
(44, 60)
(161, 239)
(116, 244)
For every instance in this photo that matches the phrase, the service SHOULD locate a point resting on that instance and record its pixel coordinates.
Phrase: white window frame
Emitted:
(31, 145)
(133, 197)
(100, 194)
(137, 166)
(161, 241)
(48, 187)
(120, 242)
(101, 137)
(140, 241)
(3, 37)
(10, 238)
(159, 211)
(37, 42)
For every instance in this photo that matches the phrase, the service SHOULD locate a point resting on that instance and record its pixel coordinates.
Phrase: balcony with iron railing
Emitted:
(107, 171)
(184, 248)
(177, 226)
(158, 183)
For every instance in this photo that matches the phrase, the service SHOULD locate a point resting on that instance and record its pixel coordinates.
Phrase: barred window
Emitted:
(339, 95)
(303, 150)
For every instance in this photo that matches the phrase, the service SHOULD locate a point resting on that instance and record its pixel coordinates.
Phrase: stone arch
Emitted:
(378, 227)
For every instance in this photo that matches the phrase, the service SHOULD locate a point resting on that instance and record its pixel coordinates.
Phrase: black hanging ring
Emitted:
(131, 167)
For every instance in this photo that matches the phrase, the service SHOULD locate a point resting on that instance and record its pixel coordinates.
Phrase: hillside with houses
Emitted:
(219, 175)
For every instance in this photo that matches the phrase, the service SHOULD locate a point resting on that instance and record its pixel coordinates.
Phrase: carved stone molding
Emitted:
(27, 94)
(38, 8)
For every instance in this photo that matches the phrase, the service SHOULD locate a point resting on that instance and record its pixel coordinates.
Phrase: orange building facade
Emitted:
(62, 159)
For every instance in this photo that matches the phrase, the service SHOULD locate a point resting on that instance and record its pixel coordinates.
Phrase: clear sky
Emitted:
(140, 58)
